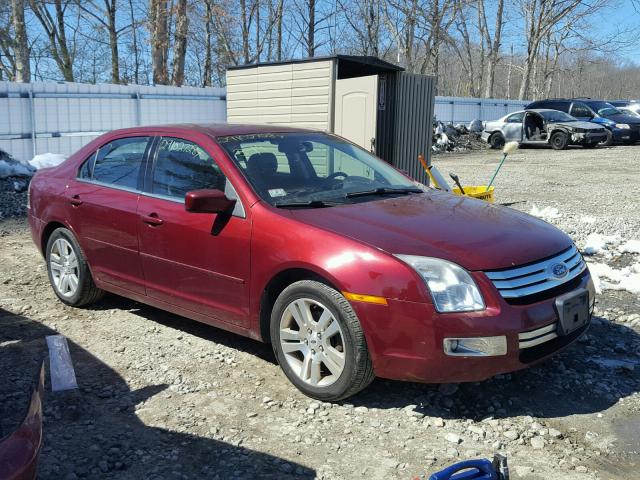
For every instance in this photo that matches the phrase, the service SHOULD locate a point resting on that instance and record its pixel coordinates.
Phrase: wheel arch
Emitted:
(276, 285)
(47, 231)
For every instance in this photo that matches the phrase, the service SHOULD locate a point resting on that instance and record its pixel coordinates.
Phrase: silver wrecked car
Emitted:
(542, 127)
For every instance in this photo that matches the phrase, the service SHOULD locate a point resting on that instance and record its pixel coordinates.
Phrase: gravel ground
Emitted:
(162, 397)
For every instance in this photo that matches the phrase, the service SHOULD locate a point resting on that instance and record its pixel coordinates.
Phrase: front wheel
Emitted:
(319, 343)
(68, 270)
(609, 141)
(496, 141)
(559, 141)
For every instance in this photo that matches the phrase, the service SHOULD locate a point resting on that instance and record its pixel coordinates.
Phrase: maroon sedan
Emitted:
(349, 268)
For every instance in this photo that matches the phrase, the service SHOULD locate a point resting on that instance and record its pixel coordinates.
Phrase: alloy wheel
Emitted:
(65, 271)
(312, 342)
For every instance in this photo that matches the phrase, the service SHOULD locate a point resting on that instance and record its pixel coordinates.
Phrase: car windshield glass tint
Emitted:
(293, 169)
(557, 117)
(604, 109)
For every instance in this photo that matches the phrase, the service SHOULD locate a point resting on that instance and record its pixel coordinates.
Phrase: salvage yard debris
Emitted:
(457, 138)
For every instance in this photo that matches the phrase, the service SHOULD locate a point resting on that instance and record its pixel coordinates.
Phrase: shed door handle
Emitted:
(152, 219)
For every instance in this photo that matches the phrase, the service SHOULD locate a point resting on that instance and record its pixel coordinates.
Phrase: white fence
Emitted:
(464, 110)
(61, 117)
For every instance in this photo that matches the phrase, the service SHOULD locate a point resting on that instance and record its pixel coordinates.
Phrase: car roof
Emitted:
(536, 110)
(213, 129)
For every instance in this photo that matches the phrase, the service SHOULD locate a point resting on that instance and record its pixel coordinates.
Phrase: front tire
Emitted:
(68, 270)
(609, 141)
(496, 141)
(319, 343)
(559, 141)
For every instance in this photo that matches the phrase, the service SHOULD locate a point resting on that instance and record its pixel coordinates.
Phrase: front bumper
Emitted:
(588, 137)
(405, 339)
(626, 135)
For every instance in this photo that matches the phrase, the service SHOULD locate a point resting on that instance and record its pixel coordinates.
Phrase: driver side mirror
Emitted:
(208, 201)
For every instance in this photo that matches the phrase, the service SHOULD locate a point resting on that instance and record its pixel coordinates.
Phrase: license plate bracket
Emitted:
(573, 311)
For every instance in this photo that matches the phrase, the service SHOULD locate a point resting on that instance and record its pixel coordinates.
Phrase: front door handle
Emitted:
(75, 200)
(152, 219)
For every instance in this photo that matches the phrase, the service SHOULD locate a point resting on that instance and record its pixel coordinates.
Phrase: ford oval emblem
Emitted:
(559, 270)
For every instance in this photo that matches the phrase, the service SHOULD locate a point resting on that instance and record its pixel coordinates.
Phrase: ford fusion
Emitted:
(347, 267)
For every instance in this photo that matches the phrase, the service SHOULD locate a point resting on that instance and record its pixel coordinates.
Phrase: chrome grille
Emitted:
(537, 277)
(536, 337)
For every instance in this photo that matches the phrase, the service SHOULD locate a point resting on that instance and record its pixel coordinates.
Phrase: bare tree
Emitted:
(180, 43)
(365, 19)
(493, 43)
(55, 26)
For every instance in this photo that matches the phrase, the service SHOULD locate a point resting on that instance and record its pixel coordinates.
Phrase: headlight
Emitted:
(623, 126)
(451, 286)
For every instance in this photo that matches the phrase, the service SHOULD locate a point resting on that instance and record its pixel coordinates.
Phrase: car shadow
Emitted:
(590, 376)
(94, 431)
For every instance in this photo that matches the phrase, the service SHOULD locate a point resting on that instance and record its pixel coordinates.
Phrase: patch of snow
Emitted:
(598, 243)
(588, 219)
(630, 246)
(627, 278)
(46, 160)
(13, 168)
(546, 213)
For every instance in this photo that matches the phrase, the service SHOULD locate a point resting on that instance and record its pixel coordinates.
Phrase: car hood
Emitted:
(623, 118)
(579, 124)
(472, 233)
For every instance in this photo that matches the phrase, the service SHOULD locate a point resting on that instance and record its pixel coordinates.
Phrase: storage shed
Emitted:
(369, 101)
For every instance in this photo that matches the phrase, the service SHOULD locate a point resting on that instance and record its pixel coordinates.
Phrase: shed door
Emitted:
(356, 105)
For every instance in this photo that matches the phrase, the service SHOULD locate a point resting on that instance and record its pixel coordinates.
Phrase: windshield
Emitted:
(557, 116)
(604, 109)
(312, 169)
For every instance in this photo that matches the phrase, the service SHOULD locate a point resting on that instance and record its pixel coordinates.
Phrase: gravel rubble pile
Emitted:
(162, 397)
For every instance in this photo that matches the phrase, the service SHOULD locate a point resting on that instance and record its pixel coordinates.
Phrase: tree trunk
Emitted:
(279, 34)
(113, 40)
(21, 46)
(134, 33)
(208, 61)
(180, 44)
(245, 31)
(66, 66)
(311, 34)
(159, 42)
(494, 54)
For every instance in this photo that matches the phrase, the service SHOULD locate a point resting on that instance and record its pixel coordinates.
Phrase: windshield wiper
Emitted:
(307, 204)
(383, 191)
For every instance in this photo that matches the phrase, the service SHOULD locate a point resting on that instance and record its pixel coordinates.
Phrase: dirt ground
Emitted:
(163, 397)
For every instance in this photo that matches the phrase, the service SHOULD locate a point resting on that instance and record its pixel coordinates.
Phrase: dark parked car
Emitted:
(542, 127)
(627, 106)
(309, 242)
(622, 128)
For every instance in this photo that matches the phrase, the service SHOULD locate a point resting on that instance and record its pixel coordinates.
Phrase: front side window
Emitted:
(555, 116)
(580, 110)
(182, 166)
(515, 118)
(118, 162)
(320, 168)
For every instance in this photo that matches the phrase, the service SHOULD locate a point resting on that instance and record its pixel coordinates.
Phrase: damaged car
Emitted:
(543, 127)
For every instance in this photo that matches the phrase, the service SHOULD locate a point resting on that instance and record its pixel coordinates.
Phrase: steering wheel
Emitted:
(334, 175)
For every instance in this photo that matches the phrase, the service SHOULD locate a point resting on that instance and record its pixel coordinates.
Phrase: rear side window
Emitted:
(182, 166)
(117, 163)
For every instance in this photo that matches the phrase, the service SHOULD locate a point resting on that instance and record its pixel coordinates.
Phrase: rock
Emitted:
(511, 434)
(448, 389)
(581, 469)
(453, 438)
(438, 422)
(553, 433)
(538, 443)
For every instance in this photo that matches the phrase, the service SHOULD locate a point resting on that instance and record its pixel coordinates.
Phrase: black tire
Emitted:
(357, 372)
(559, 141)
(609, 141)
(86, 291)
(496, 140)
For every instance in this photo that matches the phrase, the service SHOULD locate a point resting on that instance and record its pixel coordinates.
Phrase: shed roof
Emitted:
(348, 65)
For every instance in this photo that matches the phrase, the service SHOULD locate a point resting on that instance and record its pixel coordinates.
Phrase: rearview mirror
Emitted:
(207, 201)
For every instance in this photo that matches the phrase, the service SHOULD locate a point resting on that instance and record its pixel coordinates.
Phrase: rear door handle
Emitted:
(152, 219)
(75, 200)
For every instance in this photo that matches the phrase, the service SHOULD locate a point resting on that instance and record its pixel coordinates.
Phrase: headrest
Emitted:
(262, 163)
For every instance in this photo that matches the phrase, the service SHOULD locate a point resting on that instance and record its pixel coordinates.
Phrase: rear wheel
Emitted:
(496, 140)
(319, 343)
(68, 270)
(559, 141)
